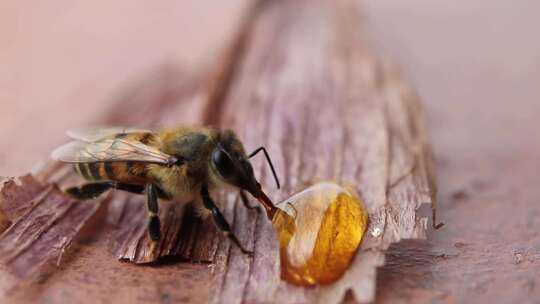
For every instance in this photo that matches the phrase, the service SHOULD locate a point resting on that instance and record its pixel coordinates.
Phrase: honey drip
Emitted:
(319, 232)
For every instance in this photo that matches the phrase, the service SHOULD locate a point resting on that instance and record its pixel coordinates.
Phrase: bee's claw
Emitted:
(247, 252)
(254, 208)
(244, 250)
(438, 226)
(246, 203)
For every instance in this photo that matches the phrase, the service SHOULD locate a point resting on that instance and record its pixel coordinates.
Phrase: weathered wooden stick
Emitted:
(44, 220)
(301, 80)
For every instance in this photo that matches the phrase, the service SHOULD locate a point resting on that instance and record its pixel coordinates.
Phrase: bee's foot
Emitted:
(249, 253)
(438, 226)
(255, 208)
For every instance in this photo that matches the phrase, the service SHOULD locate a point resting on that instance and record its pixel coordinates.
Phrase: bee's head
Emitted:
(232, 164)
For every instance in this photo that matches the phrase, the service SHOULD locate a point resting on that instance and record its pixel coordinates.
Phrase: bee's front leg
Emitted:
(154, 225)
(246, 203)
(220, 220)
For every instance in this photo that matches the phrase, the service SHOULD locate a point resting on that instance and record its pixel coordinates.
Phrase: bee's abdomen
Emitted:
(89, 171)
(124, 172)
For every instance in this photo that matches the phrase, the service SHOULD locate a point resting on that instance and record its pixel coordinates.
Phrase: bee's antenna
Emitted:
(269, 162)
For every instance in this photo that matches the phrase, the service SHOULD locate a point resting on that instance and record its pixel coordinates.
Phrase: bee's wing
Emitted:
(110, 149)
(95, 134)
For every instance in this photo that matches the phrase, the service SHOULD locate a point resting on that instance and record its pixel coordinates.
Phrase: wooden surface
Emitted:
(289, 60)
(482, 103)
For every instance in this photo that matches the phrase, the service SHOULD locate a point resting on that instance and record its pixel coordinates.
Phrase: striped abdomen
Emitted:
(131, 172)
(125, 172)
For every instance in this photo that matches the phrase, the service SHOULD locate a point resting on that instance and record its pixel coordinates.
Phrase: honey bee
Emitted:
(183, 164)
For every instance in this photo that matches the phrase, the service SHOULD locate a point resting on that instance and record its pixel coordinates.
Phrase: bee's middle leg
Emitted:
(154, 224)
(220, 220)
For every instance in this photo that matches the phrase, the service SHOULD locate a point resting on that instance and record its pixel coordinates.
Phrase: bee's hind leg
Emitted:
(93, 190)
(220, 220)
(154, 225)
(88, 191)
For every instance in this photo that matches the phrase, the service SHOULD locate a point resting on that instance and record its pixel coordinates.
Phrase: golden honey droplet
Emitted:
(319, 232)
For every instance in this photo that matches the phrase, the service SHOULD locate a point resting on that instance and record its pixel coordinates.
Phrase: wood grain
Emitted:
(45, 221)
(326, 108)
(301, 79)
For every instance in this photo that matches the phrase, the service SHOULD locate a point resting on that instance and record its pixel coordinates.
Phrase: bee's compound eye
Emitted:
(222, 162)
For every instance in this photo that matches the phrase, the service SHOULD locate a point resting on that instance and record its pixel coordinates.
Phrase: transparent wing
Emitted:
(95, 134)
(110, 149)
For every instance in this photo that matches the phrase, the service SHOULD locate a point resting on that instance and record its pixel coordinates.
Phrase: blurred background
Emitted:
(61, 61)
